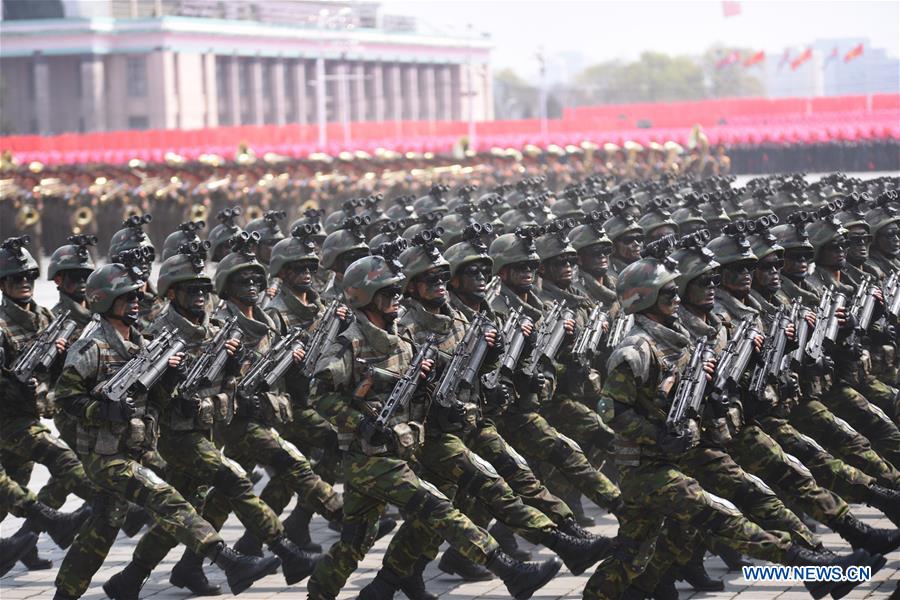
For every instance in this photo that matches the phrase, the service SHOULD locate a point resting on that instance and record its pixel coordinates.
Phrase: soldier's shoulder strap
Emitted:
(637, 352)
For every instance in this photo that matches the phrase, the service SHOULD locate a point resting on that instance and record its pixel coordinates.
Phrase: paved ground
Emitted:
(20, 584)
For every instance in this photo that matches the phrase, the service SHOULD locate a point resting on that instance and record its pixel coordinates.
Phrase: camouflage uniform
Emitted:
(14, 498)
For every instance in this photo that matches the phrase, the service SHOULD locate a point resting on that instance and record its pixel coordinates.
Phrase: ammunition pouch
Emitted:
(407, 438)
(143, 433)
(460, 418)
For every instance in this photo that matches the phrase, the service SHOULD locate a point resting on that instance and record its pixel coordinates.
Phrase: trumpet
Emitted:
(27, 217)
(81, 218)
(197, 212)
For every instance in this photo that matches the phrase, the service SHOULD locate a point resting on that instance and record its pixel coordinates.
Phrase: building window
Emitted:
(138, 123)
(136, 76)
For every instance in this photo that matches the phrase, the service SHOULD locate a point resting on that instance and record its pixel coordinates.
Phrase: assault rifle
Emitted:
(734, 359)
(620, 327)
(466, 362)
(513, 345)
(143, 371)
(862, 309)
(267, 299)
(772, 363)
(826, 323)
(802, 326)
(406, 386)
(892, 296)
(689, 394)
(324, 336)
(42, 353)
(588, 341)
(550, 335)
(271, 367)
(208, 367)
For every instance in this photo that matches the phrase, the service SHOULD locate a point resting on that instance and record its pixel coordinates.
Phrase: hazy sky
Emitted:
(623, 29)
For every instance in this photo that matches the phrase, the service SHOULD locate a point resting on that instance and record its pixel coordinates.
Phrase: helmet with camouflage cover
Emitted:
(789, 198)
(109, 282)
(267, 227)
(567, 207)
(883, 215)
(639, 283)
(693, 259)
(423, 254)
(400, 208)
(517, 217)
(792, 235)
(186, 233)
(73, 256)
(241, 258)
(432, 202)
(825, 231)
(590, 233)
(348, 238)
(759, 204)
(620, 225)
(764, 243)
(657, 215)
(689, 219)
(454, 223)
(131, 236)
(472, 249)
(227, 228)
(511, 248)
(188, 264)
(311, 216)
(299, 247)
(554, 242)
(427, 222)
(364, 277)
(15, 258)
(853, 212)
(733, 246)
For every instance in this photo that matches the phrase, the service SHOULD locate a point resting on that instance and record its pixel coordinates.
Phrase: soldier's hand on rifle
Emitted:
(879, 295)
(342, 312)
(373, 433)
(117, 412)
(841, 315)
(810, 318)
(676, 445)
(176, 359)
(527, 328)
(570, 326)
(709, 367)
(62, 344)
(605, 326)
(790, 332)
(758, 341)
(298, 355)
(271, 291)
(490, 337)
(425, 369)
(232, 347)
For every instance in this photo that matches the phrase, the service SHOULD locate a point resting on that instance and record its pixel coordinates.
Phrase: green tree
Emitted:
(514, 98)
(732, 80)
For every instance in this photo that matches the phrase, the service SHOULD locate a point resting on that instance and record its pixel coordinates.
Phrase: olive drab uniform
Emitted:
(602, 290)
(24, 440)
(152, 304)
(445, 460)
(643, 372)
(378, 476)
(111, 452)
(534, 437)
(194, 464)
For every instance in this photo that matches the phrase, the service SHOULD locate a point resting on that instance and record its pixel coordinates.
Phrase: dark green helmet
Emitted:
(555, 240)
(689, 218)
(312, 216)
(267, 226)
(639, 283)
(655, 215)
(366, 276)
(733, 246)
(473, 248)
(880, 217)
(825, 231)
(620, 225)
(108, 283)
(400, 208)
(433, 202)
(15, 258)
(131, 236)
(349, 237)
(759, 204)
(591, 232)
(301, 246)
(188, 264)
(511, 248)
(567, 207)
(226, 229)
(763, 243)
(424, 254)
(853, 212)
(186, 233)
(792, 235)
(454, 223)
(73, 256)
(241, 258)
(693, 261)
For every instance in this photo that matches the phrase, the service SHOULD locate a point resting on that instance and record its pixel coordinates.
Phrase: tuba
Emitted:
(81, 219)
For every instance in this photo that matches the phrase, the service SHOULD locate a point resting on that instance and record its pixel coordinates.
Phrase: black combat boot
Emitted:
(249, 545)
(15, 547)
(508, 543)
(804, 557)
(34, 561)
(574, 503)
(188, 574)
(383, 587)
(385, 526)
(665, 588)
(241, 571)
(732, 559)
(578, 554)
(572, 527)
(860, 535)
(296, 564)
(296, 528)
(522, 579)
(695, 575)
(886, 500)
(135, 519)
(454, 563)
(127, 583)
(62, 596)
(62, 527)
(413, 585)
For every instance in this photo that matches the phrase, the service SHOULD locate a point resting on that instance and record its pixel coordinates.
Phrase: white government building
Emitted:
(104, 65)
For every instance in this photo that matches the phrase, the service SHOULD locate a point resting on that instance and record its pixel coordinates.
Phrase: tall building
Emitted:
(103, 65)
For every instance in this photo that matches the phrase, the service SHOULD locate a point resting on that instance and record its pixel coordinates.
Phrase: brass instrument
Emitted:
(197, 212)
(130, 210)
(673, 151)
(254, 211)
(81, 218)
(27, 217)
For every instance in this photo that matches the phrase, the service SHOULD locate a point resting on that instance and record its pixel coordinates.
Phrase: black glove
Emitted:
(28, 390)
(373, 433)
(529, 384)
(117, 412)
(189, 406)
(676, 445)
(498, 398)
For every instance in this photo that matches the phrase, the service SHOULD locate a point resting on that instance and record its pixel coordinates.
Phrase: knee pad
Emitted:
(231, 480)
(427, 500)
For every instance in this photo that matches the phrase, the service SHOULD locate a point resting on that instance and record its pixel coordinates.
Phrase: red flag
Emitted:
(785, 58)
(731, 8)
(856, 52)
(731, 58)
(797, 62)
(832, 56)
(755, 59)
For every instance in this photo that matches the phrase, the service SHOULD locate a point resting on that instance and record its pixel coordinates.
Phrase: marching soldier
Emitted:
(128, 239)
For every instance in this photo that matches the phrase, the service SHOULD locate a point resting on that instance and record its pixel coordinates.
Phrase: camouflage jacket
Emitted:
(800, 290)
(600, 290)
(884, 263)
(331, 291)
(355, 376)
(214, 402)
(152, 304)
(643, 373)
(616, 265)
(77, 312)
(287, 310)
(820, 280)
(18, 328)
(857, 273)
(90, 362)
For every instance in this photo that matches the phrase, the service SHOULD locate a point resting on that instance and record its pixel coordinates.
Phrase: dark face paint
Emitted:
(701, 292)
(628, 247)
(737, 278)
(386, 302)
(667, 303)
(191, 298)
(834, 256)
(888, 240)
(246, 287)
(430, 288)
(767, 276)
(594, 260)
(473, 279)
(796, 264)
(127, 308)
(20, 287)
(520, 276)
(74, 283)
(858, 248)
(298, 276)
(560, 270)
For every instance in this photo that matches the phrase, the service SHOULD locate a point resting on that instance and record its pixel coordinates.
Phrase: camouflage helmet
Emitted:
(853, 212)
(300, 246)
(311, 216)
(656, 215)
(225, 230)
(73, 256)
(516, 217)
(472, 249)
(400, 208)
(882, 216)
(619, 225)
(187, 265)
(241, 258)
(764, 243)
(792, 235)
(109, 282)
(825, 231)
(432, 202)
(426, 223)
(364, 277)
(15, 258)
(423, 254)
(555, 240)
(639, 283)
(348, 237)
(689, 218)
(733, 246)
(693, 262)
(267, 226)
(590, 233)
(131, 236)
(511, 248)
(186, 233)
(454, 223)
(567, 207)
(759, 204)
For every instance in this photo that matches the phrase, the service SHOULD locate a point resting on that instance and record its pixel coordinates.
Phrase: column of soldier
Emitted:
(721, 378)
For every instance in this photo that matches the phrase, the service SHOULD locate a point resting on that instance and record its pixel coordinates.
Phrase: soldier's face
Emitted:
(387, 302)
(858, 246)
(834, 255)
(20, 287)
(667, 302)
(796, 263)
(299, 275)
(628, 247)
(595, 259)
(191, 297)
(701, 291)
(246, 287)
(73, 283)
(127, 308)
(431, 286)
(520, 276)
(472, 279)
(560, 270)
(888, 239)
(738, 277)
(767, 275)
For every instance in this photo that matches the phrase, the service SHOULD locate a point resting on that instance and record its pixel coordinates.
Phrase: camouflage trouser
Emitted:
(54, 492)
(511, 466)
(838, 437)
(194, 464)
(307, 431)
(756, 452)
(251, 443)
(13, 497)
(831, 473)
(866, 418)
(372, 482)
(656, 492)
(120, 480)
(532, 436)
(457, 471)
(24, 442)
